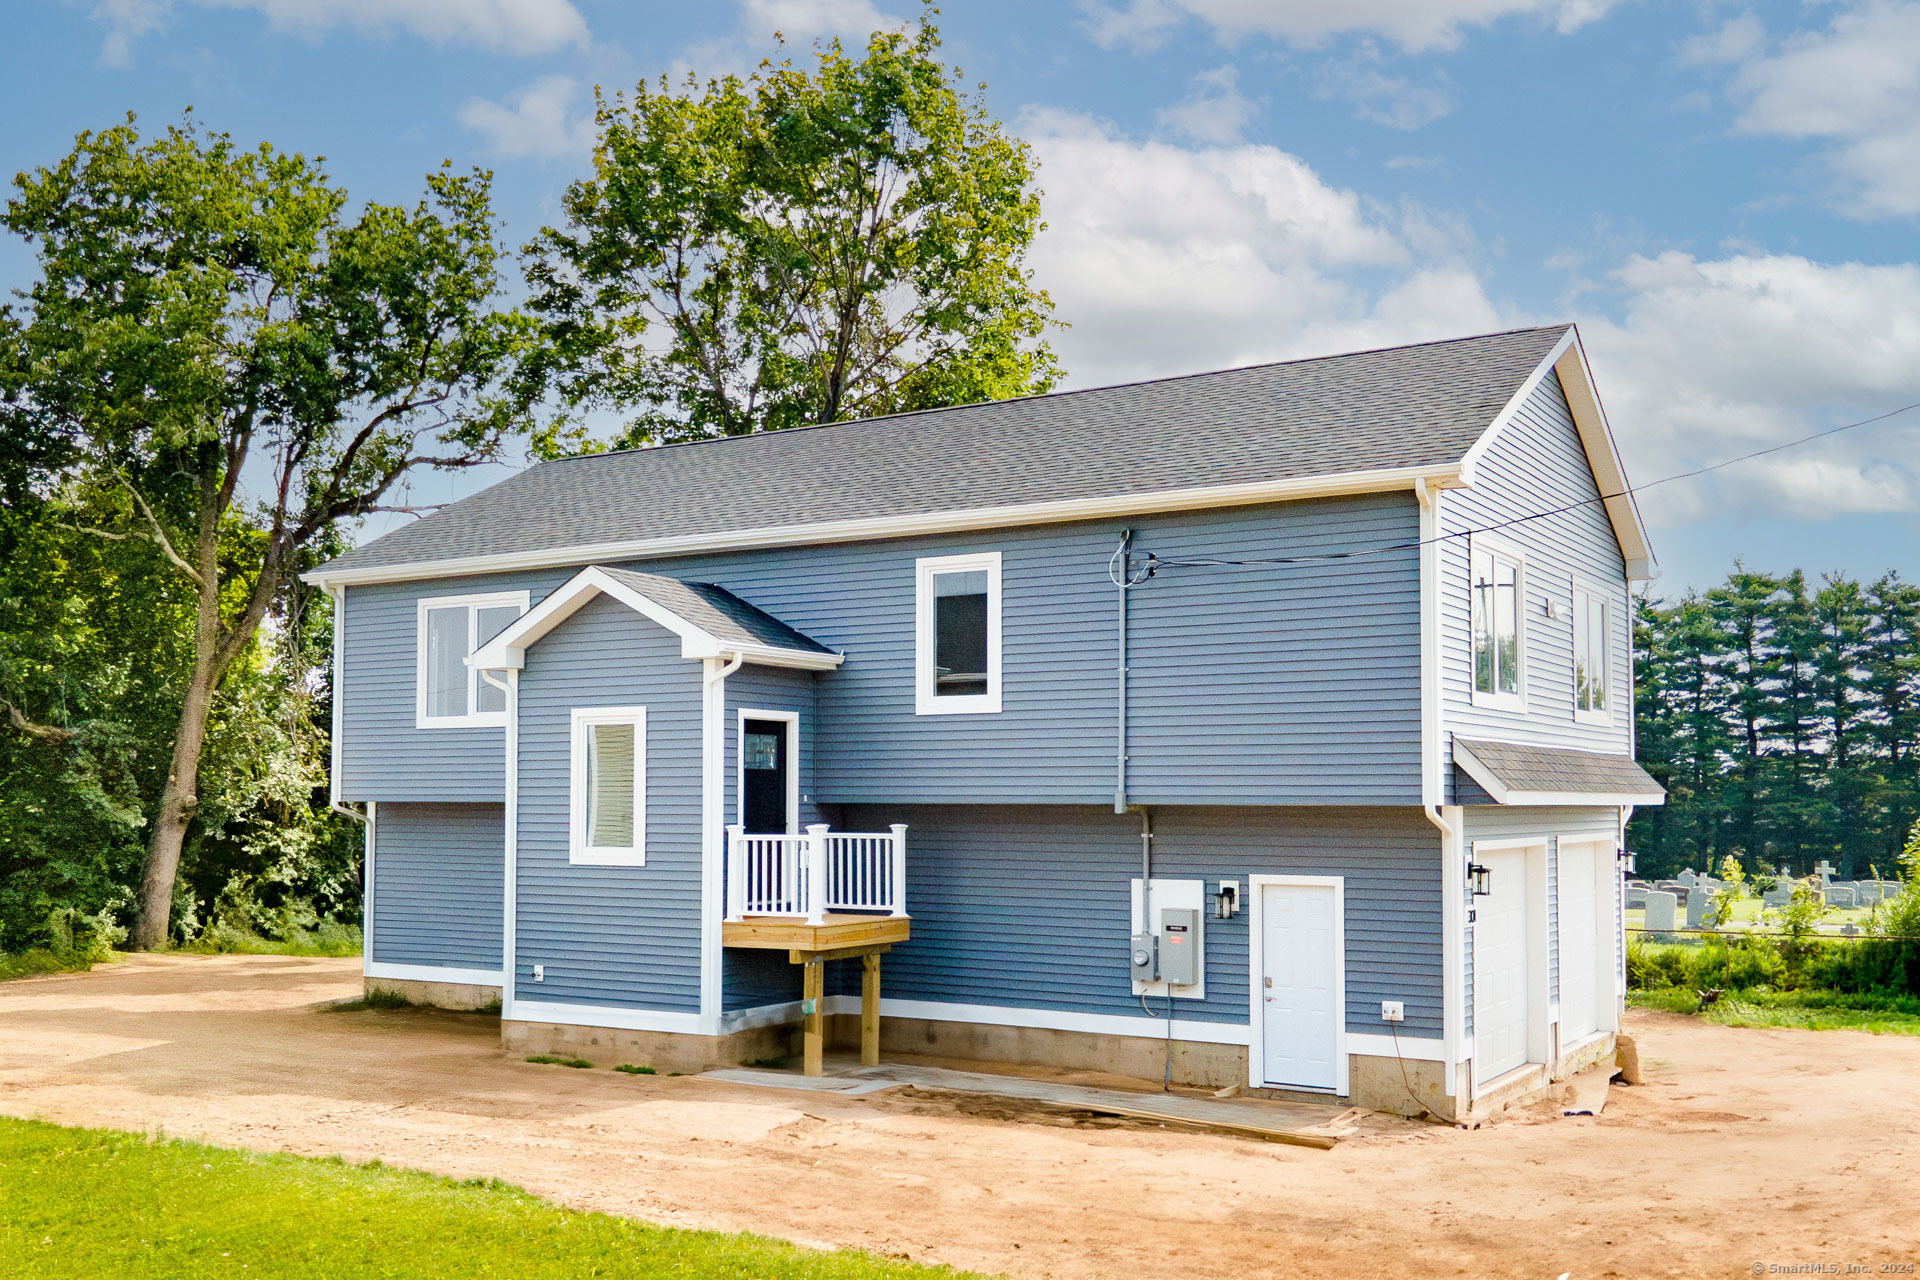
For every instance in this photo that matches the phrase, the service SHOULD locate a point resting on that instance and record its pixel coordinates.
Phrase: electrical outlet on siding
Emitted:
(539, 973)
(1393, 1011)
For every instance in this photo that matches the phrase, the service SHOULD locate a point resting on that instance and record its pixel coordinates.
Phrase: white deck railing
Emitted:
(777, 875)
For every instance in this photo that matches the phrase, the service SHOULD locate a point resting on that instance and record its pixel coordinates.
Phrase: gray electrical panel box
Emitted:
(1145, 969)
(1179, 946)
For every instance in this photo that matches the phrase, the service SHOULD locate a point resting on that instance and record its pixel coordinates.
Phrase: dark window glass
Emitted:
(960, 633)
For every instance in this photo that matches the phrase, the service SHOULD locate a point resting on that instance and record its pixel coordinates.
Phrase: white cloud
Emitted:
(1214, 112)
(508, 26)
(1711, 359)
(1411, 24)
(1855, 84)
(1167, 259)
(1735, 40)
(544, 120)
(1394, 101)
(807, 20)
(801, 22)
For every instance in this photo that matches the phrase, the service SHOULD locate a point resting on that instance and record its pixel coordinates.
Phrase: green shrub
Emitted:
(554, 1060)
(1729, 963)
(632, 1070)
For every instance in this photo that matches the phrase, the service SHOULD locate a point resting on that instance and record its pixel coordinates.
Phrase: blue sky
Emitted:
(1723, 196)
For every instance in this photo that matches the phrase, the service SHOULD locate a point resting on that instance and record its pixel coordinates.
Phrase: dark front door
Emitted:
(763, 776)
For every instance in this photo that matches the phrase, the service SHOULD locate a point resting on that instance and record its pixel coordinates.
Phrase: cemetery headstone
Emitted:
(1660, 907)
(1841, 895)
(1699, 903)
(1825, 872)
(1778, 896)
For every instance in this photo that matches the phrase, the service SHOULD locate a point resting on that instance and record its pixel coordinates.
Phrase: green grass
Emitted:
(1805, 1010)
(378, 998)
(554, 1060)
(96, 1203)
(632, 1070)
(1746, 913)
(329, 939)
(24, 964)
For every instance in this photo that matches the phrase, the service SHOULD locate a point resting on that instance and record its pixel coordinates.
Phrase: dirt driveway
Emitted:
(1745, 1147)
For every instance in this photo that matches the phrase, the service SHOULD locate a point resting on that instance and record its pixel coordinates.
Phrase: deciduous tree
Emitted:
(234, 362)
(798, 247)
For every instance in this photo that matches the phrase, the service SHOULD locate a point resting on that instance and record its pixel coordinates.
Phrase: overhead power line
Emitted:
(1154, 562)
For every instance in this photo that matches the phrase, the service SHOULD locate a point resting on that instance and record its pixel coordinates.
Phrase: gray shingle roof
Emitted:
(716, 611)
(1398, 407)
(1558, 770)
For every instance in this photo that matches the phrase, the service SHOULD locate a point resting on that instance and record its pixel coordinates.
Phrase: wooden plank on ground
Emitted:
(1303, 1124)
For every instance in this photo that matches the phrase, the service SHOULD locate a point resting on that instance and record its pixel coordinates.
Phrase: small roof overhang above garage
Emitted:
(711, 622)
(1521, 775)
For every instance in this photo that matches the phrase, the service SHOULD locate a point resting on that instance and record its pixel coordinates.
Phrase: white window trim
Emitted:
(792, 720)
(1506, 551)
(578, 853)
(473, 604)
(1584, 586)
(926, 701)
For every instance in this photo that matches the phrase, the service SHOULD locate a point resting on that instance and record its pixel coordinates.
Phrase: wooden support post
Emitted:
(813, 990)
(870, 1010)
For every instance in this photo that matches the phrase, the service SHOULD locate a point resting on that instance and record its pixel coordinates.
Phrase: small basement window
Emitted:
(1592, 632)
(450, 693)
(1498, 591)
(957, 649)
(609, 791)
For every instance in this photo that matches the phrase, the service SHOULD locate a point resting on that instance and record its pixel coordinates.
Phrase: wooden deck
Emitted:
(839, 937)
(793, 933)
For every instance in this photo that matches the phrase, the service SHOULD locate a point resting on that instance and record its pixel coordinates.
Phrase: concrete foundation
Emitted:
(439, 995)
(1381, 1084)
(661, 1050)
(1407, 1087)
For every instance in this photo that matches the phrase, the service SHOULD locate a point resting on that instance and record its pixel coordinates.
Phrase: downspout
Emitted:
(713, 848)
(1433, 799)
(1125, 561)
(334, 802)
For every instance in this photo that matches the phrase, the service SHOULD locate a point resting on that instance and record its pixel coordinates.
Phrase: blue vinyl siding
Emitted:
(438, 885)
(1262, 684)
(623, 936)
(1029, 906)
(382, 755)
(1536, 463)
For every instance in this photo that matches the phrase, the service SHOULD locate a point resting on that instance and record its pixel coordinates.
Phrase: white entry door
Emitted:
(1500, 966)
(1585, 962)
(1301, 989)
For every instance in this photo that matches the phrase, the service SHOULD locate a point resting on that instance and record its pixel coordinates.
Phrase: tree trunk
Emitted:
(181, 796)
(178, 801)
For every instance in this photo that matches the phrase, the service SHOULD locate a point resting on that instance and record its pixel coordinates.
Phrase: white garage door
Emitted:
(1500, 966)
(1580, 958)
(1300, 997)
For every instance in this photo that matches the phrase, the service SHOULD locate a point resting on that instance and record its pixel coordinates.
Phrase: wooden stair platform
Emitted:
(793, 933)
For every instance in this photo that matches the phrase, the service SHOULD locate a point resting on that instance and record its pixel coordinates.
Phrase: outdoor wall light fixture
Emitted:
(1626, 861)
(1479, 879)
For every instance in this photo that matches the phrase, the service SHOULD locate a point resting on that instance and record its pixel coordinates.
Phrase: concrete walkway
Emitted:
(1303, 1124)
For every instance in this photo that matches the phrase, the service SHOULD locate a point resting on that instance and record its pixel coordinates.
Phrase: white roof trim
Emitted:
(508, 650)
(903, 526)
(1491, 783)
(1569, 359)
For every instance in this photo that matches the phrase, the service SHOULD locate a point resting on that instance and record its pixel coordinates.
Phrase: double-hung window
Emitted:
(449, 693)
(608, 814)
(1498, 593)
(1592, 631)
(957, 636)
